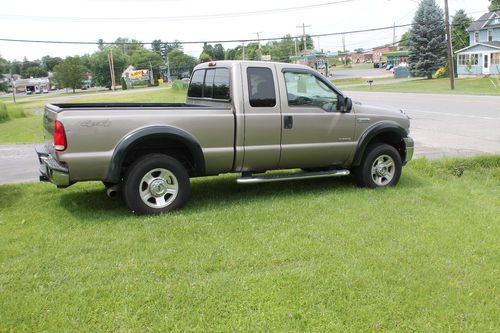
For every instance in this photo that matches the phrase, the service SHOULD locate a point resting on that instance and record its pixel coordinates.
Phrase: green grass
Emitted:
(477, 86)
(359, 80)
(298, 256)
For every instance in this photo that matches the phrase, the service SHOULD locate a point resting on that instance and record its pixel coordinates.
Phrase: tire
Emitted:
(380, 167)
(154, 184)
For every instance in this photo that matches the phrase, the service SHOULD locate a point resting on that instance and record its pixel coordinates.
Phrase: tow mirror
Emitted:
(347, 104)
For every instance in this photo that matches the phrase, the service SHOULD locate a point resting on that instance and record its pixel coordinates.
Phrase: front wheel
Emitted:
(156, 183)
(380, 167)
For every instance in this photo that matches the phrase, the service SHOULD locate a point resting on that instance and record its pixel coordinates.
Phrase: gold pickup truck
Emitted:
(240, 116)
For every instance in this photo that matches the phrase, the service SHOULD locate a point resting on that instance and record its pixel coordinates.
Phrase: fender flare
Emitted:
(372, 132)
(165, 132)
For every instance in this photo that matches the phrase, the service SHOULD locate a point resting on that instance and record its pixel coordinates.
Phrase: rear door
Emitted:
(262, 117)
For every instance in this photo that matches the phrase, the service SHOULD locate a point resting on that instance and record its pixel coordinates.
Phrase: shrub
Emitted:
(4, 116)
(124, 84)
(10, 112)
(442, 72)
(179, 85)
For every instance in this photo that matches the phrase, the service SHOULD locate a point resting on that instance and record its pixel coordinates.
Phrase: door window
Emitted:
(261, 87)
(486, 61)
(304, 89)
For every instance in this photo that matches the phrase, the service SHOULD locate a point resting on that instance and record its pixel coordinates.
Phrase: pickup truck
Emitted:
(243, 117)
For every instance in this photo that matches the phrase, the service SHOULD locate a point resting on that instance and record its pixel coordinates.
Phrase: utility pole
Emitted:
(343, 48)
(304, 33)
(394, 35)
(258, 37)
(13, 84)
(112, 69)
(450, 51)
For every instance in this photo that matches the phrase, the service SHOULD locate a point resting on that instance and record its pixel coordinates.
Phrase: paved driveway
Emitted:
(442, 125)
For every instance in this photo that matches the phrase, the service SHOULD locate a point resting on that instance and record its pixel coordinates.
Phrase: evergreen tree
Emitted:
(427, 40)
(459, 34)
(494, 5)
(3, 69)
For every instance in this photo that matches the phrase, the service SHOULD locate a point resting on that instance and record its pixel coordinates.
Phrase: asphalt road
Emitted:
(442, 125)
(349, 73)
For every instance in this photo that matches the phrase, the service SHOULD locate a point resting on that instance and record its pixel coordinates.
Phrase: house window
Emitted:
(474, 59)
(468, 59)
(476, 36)
(490, 35)
(495, 58)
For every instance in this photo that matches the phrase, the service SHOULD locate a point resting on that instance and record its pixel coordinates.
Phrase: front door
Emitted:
(486, 64)
(315, 132)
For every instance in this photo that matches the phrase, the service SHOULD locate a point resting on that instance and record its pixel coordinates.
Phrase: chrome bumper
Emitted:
(409, 149)
(51, 170)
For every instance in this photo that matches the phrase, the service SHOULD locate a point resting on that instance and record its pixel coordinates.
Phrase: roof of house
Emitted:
(494, 44)
(481, 22)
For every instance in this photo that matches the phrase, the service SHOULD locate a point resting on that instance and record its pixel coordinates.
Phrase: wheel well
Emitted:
(390, 138)
(160, 145)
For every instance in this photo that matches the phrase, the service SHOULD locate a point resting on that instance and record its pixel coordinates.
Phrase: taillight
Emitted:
(60, 143)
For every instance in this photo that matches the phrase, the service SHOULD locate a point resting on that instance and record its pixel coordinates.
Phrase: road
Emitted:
(442, 125)
(349, 73)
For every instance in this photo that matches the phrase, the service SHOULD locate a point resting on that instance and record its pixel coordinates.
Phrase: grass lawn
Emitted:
(30, 129)
(318, 255)
(477, 86)
(359, 80)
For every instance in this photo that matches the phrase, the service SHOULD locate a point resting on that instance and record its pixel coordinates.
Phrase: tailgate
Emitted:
(49, 118)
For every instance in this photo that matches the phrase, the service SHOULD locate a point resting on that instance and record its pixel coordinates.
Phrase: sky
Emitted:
(195, 20)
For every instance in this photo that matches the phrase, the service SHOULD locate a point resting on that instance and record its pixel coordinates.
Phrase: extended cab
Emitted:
(240, 116)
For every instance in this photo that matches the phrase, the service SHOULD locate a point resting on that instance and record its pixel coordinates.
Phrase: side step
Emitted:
(278, 178)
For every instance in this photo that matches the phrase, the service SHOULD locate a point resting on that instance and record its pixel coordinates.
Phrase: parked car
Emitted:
(241, 116)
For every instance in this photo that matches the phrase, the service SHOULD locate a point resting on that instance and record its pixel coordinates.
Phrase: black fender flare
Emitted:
(372, 132)
(157, 131)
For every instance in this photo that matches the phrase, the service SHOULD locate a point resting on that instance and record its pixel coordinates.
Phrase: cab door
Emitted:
(262, 117)
(315, 131)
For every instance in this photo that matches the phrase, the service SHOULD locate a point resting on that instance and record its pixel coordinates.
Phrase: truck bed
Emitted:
(58, 107)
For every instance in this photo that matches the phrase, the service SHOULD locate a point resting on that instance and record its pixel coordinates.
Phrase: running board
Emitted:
(280, 178)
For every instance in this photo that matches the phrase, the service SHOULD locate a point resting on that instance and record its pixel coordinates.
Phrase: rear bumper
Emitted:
(51, 170)
(410, 147)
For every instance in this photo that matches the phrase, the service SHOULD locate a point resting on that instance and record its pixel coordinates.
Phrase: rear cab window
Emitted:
(211, 83)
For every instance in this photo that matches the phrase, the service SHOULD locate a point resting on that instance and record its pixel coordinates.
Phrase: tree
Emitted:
(427, 40)
(404, 43)
(163, 48)
(4, 86)
(359, 50)
(494, 5)
(99, 66)
(49, 62)
(145, 59)
(36, 71)
(218, 52)
(69, 73)
(459, 34)
(205, 57)
(180, 63)
(128, 46)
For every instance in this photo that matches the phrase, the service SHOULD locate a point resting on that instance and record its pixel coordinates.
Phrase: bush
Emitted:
(179, 85)
(10, 112)
(442, 72)
(124, 84)
(4, 116)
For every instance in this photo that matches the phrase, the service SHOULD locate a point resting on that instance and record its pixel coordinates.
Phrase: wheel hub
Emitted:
(381, 170)
(158, 187)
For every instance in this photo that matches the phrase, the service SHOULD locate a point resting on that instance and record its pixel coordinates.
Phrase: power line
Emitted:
(202, 42)
(171, 18)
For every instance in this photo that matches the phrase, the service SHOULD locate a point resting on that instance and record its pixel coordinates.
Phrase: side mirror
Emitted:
(347, 104)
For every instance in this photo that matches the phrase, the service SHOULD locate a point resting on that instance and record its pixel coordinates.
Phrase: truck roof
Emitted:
(232, 63)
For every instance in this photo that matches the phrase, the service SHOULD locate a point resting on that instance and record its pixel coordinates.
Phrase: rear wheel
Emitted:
(156, 183)
(380, 167)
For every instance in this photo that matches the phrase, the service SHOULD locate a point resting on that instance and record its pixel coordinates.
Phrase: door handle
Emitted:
(287, 122)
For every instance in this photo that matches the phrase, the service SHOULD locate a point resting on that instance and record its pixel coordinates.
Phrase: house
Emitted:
(313, 59)
(482, 56)
(378, 53)
(362, 57)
